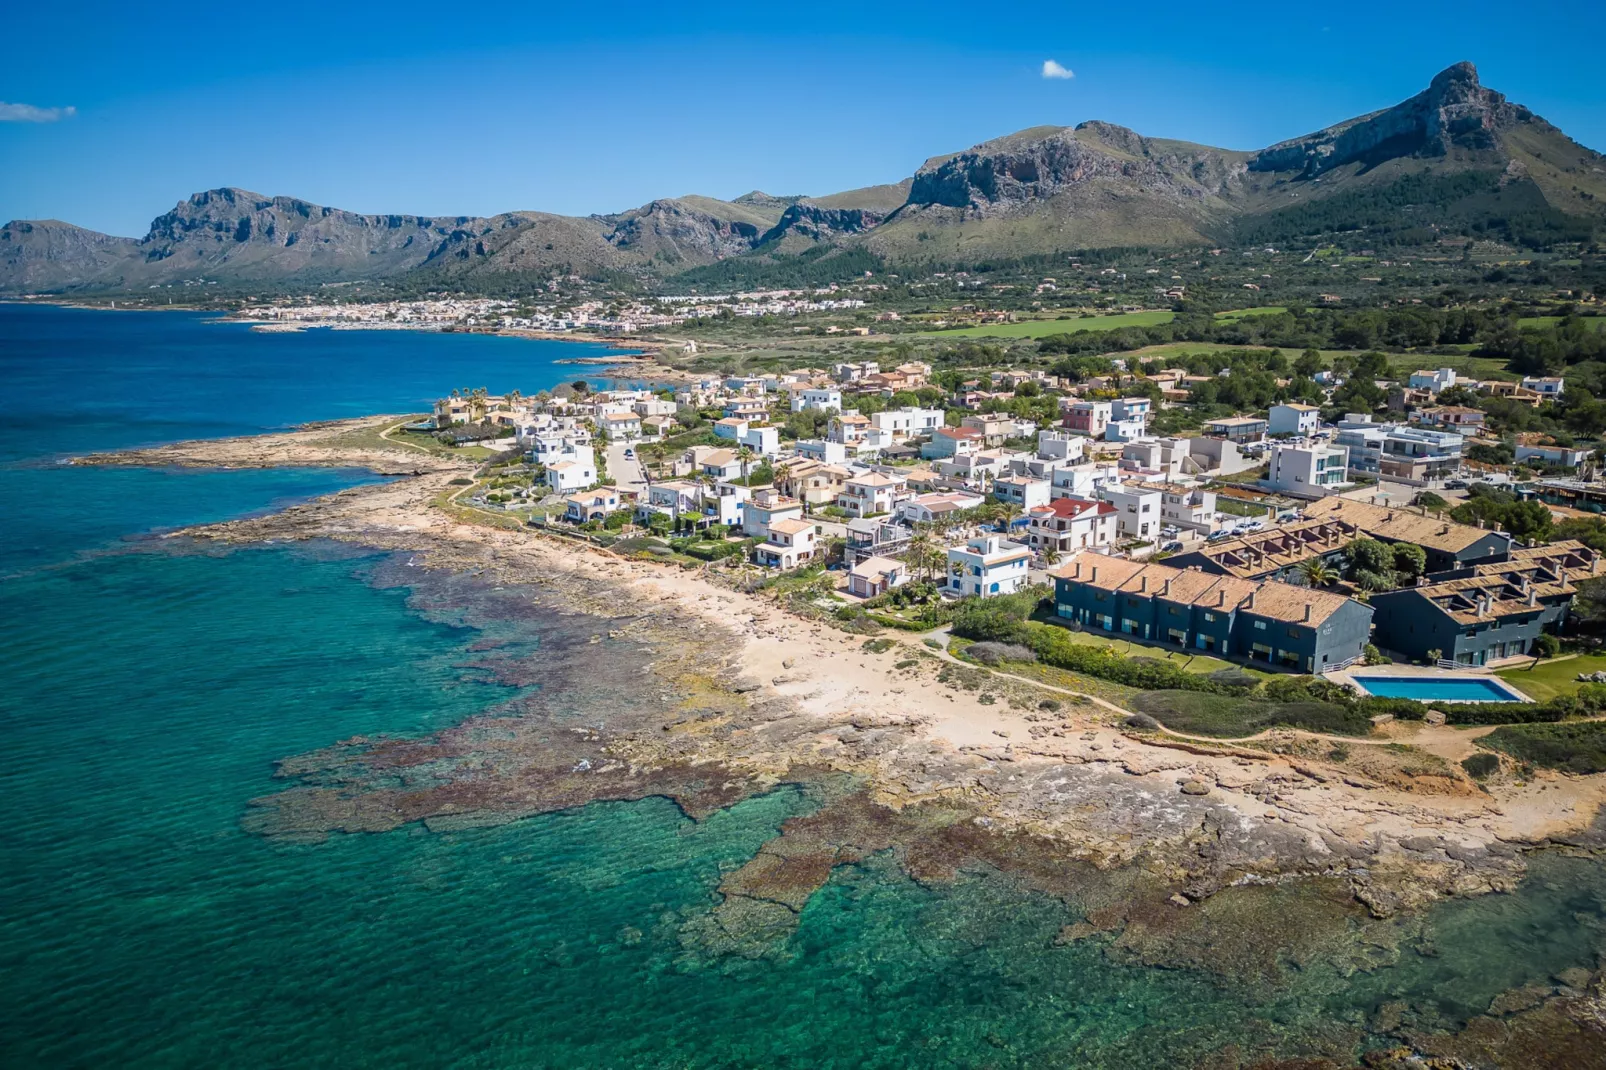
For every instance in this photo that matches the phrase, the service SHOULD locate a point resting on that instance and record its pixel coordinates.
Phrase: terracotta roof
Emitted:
(1066, 508)
(1400, 525)
(1269, 599)
(1278, 547)
(1096, 570)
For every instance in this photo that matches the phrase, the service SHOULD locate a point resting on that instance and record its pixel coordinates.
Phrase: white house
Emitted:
(1124, 430)
(1061, 446)
(721, 464)
(817, 399)
(872, 493)
(932, 508)
(731, 427)
(1139, 409)
(1137, 509)
(1082, 480)
(907, 423)
(724, 503)
(1548, 387)
(953, 442)
(1538, 448)
(1295, 419)
(766, 508)
(1025, 491)
(1187, 507)
(1308, 472)
(788, 544)
(673, 498)
(590, 504)
(621, 425)
(987, 566)
(1434, 381)
(762, 440)
(1068, 524)
(822, 451)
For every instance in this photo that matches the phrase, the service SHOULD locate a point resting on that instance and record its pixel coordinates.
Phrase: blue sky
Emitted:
(481, 108)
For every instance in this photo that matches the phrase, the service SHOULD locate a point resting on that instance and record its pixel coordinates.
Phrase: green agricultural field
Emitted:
(1402, 365)
(1183, 349)
(1246, 313)
(1594, 322)
(1044, 328)
(1552, 679)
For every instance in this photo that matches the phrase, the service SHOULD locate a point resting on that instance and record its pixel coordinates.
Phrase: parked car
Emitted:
(629, 452)
(1171, 548)
(1455, 484)
(1170, 529)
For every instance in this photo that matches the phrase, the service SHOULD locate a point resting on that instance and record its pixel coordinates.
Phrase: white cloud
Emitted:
(27, 113)
(1054, 70)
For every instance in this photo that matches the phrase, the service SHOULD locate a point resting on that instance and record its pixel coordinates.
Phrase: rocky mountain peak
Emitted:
(1454, 112)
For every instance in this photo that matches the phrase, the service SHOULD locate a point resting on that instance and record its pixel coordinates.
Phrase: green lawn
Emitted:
(1126, 648)
(1595, 322)
(1245, 313)
(1044, 328)
(1549, 679)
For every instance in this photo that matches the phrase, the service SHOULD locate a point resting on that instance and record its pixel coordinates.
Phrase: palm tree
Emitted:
(745, 454)
(1051, 555)
(924, 556)
(783, 475)
(1318, 573)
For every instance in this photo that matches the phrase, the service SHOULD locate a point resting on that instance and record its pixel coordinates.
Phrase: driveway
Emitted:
(627, 472)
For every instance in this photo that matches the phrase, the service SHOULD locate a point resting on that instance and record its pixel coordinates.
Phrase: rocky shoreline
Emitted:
(1173, 852)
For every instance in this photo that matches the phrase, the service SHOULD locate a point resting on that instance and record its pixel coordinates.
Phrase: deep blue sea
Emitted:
(148, 689)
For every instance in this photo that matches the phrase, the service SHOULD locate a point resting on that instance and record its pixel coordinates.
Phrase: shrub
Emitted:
(1579, 747)
(1480, 765)
(1143, 721)
(991, 653)
(1233, 715)
(1052, 705)
(878, 646)
(1235, 678)
(1547, 645)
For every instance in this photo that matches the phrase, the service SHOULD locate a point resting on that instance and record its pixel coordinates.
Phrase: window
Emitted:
(1260, 625)
(1293, 633)
(1210, 618)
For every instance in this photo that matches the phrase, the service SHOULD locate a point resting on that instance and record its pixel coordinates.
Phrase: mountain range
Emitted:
(1455, 160)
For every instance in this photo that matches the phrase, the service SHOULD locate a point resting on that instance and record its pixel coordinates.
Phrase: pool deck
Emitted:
(1419, 672)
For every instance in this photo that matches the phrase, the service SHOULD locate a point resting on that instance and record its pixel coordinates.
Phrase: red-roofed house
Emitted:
(1068, 524)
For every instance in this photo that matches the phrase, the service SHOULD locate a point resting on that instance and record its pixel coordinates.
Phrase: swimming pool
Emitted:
(1441, 688)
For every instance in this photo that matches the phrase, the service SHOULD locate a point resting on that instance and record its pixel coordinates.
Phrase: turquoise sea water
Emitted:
(147, 692)
(77, 381)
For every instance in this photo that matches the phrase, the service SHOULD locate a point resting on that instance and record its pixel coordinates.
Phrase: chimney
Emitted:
(1249, 603)
(1307, 612)
(1221, 598)
(1165, 588)
(1143, 584)
(1533, 597)
(1095, 576)
(1076, 573)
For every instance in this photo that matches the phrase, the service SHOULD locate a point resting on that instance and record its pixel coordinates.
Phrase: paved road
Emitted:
(626, 471)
